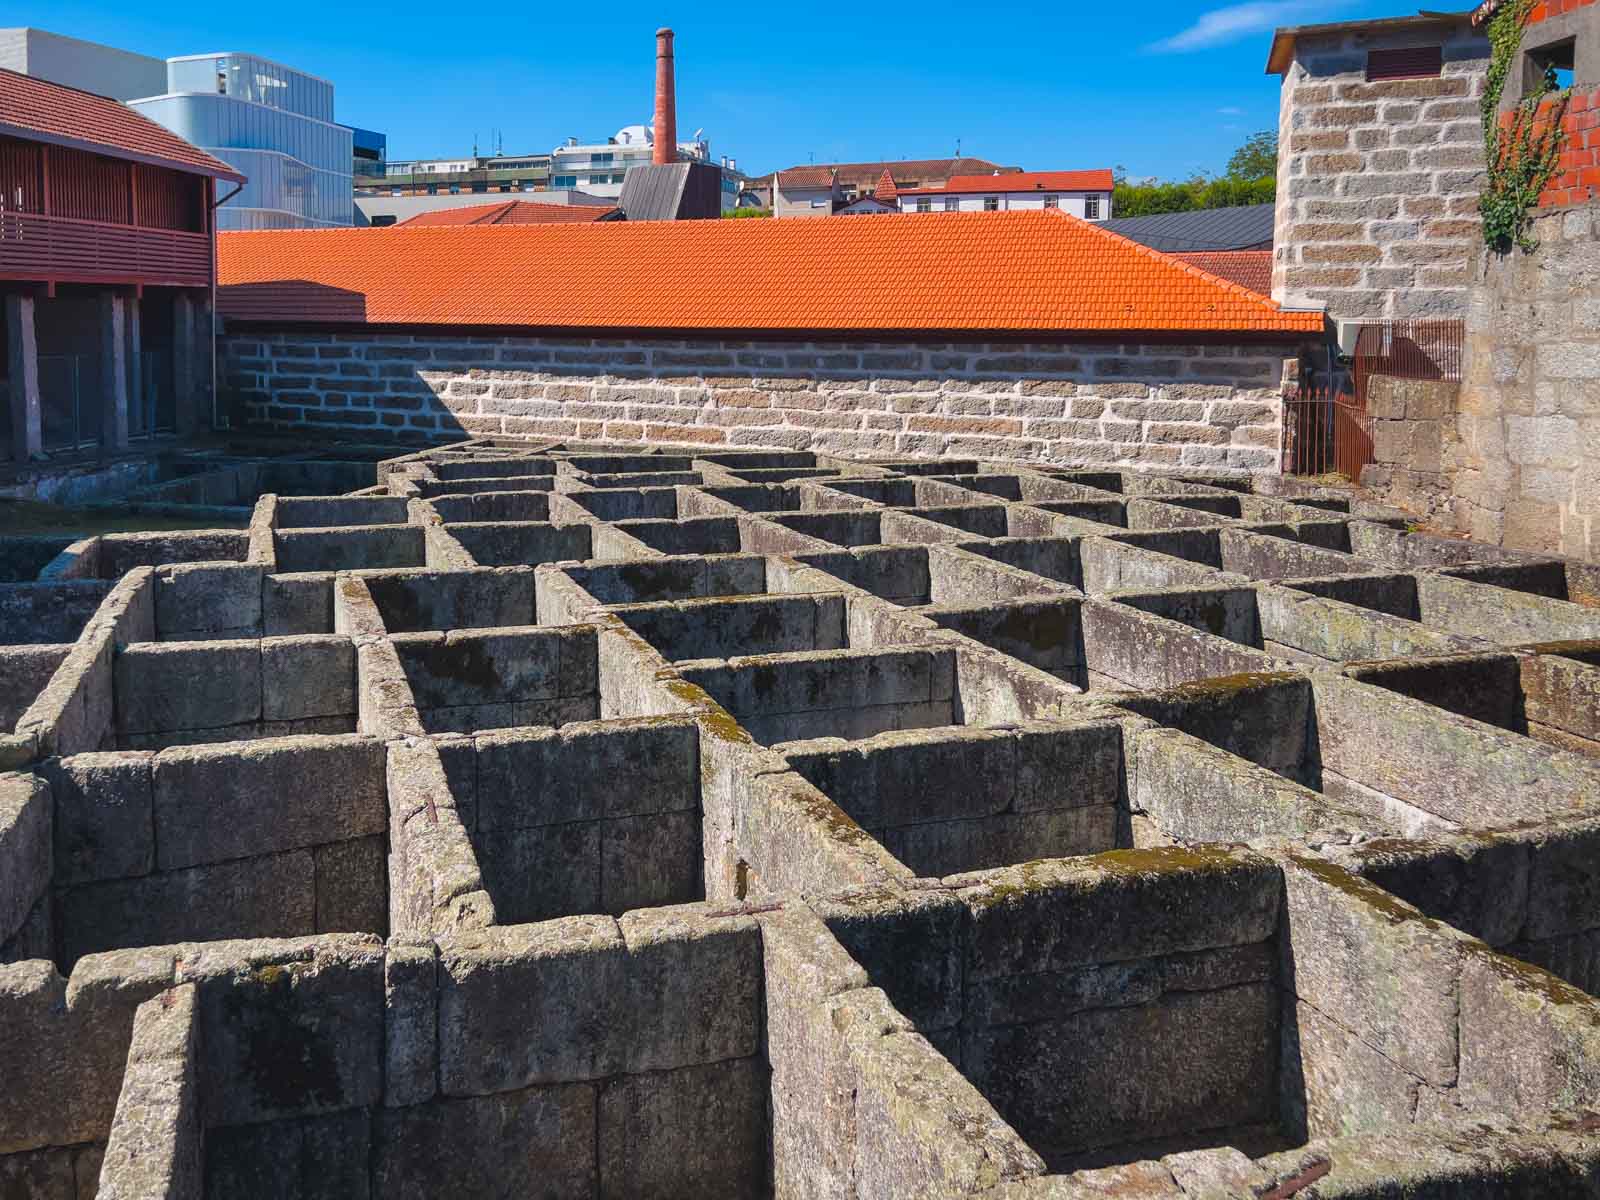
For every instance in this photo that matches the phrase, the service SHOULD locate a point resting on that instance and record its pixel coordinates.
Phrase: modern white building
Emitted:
(598, 168)
(1085, 194)
(87, 66)
(273, 123)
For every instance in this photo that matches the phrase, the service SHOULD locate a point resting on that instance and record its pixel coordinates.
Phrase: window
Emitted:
(1052, 201)
(1408, 62)
(991, 204)
(563, 181)
(924, 204)
(952, 204)
(383, 219)
(1549, 66)
(1091, 208)
(617, 178)
(602, 160)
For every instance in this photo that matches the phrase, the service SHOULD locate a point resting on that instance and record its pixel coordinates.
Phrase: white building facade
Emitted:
(598, 168)
(1085, 194)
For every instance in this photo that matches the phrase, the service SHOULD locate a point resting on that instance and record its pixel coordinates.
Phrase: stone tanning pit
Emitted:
(593, 821)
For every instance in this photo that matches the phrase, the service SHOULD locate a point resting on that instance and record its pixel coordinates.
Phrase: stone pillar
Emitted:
(185, 363)
(113, 308)
(138, 402)
(27, 428)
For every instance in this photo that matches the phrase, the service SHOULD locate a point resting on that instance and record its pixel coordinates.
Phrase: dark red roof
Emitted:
(806, 177)
(1247, 268)
(37, 111)
(1023, 181)
(509, 212)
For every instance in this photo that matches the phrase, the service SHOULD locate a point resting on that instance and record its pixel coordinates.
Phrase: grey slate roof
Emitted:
(1248, 227)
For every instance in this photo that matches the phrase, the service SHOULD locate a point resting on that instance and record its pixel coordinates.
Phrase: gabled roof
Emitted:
(509, 212)
(1019, 272)
(806, 177)
(1024, 181)
(1243, 227)
(1247, 268)
(919, 170)
(886, 189)
(38, 111)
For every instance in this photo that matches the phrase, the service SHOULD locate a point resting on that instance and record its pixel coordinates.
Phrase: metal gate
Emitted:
(1325, 431)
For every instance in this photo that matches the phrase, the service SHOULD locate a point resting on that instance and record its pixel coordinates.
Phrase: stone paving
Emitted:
(582, 821)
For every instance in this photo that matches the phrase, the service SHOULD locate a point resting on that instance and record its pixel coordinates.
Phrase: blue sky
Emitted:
(1162, 88)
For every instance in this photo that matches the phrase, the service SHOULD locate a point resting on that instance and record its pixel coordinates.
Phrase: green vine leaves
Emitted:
(1523, 150)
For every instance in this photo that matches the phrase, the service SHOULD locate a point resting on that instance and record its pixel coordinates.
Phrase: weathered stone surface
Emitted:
(534, 1141)
(288, 1028)
(314, 1158)
(685, 1132)
(411, 1021)
(310, 676)
(155, 1143)
(25, 850)
(103, 816)
(220, 802)
(1390, 974)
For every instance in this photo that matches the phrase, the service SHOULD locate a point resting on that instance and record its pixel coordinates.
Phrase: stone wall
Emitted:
(1525, 461)
(1377, 211)
(1204, 404)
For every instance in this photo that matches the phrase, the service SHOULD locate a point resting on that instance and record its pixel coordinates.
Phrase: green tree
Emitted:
(1257, 159)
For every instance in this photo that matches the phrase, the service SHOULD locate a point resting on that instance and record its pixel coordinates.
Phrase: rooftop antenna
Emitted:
(958, 147)
(474, 143)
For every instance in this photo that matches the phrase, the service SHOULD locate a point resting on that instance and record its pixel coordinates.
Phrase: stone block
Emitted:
(1104, 1076)
(545, 871)
(532, 1004)
(685, 1132)
(154, 1148)
(352, 886)
(316, 1158)
(272, 895)
(308, 676)
(1529, 1043)
(1375, 964)
(910, 943)
(1334, 1084)
(25, 848)
(1126, 904)
(104, 828)
(288, 1028)
(208, 598)
(163, 686)
(693, 987)
(411, 1021)
(232, 801)
(40, 1175)
(650, 860)
(534, 1142)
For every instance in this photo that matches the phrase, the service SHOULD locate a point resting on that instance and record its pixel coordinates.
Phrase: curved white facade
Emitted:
(272, 123)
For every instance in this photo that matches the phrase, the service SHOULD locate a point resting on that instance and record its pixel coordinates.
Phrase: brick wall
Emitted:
(1377, 210)
(1205, 404)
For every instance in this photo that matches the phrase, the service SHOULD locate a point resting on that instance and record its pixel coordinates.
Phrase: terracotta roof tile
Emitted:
(806, 177)
(1023, 272)
(36, 110)
(1248, 268)
(509, 212)
(1026, 181)
(886, 189)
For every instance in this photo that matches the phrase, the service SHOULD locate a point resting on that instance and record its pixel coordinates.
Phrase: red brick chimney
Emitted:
(666, 125)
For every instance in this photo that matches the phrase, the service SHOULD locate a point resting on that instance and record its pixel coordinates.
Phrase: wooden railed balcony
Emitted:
(51, 249)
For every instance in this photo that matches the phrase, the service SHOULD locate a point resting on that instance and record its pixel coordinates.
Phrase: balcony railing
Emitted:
(66, 250)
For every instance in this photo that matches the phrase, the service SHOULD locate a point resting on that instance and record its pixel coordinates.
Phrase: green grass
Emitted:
(29, 518)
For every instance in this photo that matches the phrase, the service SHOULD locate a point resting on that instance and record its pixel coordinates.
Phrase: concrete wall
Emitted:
(1378, 182)
(1199, 404)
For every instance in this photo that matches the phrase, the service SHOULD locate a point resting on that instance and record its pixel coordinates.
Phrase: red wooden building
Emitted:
(108, 264)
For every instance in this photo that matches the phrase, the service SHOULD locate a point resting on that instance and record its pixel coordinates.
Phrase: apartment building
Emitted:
(1085, 194)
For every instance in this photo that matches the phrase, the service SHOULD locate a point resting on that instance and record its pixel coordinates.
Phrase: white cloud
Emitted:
(1230, 111)
(1239, 20)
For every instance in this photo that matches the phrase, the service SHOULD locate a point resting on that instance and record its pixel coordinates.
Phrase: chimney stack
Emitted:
(666, 123)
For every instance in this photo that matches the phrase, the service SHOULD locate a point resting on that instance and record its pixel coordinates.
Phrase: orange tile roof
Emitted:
(886, 189)
(1248, 268)
(509, 212)
(1026, 181)
(38, 111)
(1024, 272)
